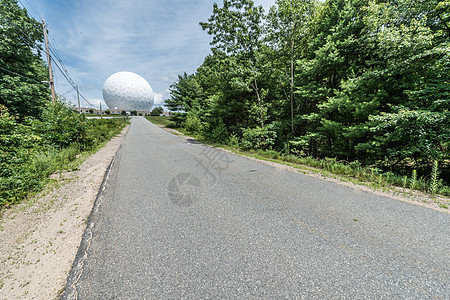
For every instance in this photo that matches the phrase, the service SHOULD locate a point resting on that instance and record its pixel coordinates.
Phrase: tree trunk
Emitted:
(292, 83)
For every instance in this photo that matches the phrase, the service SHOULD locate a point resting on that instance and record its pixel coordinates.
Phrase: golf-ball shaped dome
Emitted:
(128, 91)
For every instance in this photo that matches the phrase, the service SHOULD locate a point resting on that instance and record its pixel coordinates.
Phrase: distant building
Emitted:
(87, 110)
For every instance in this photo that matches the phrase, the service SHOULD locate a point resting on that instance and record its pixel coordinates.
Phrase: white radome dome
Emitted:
(128, 91)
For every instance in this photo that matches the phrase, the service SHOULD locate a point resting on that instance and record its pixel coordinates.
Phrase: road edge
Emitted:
(77, 266)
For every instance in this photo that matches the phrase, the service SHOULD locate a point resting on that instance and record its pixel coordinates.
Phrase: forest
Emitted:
(360, 82)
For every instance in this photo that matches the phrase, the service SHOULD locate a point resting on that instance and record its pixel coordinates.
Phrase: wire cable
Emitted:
(24, 34)
(31, 8)
(17, 74)
(57, 62)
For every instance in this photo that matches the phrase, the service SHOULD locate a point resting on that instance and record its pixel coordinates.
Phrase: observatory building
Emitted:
(128, 91)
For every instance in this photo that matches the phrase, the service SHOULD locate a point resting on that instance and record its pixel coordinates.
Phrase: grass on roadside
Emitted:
(160, 120)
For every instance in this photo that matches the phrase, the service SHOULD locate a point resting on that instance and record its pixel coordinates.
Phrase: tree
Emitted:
(21, 66)
(184, 94)
(288, 22)
(238, 32)
(157, 111)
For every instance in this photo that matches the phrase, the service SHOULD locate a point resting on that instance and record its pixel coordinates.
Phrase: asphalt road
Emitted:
(180, 220)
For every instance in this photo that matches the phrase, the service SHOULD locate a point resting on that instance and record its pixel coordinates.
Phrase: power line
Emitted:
(31, 8)
(24, 34)
(58, 62)
(17, 74)
(54, 49)
(66, 92)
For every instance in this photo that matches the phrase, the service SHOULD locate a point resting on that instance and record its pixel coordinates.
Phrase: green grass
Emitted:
(159, 120)
(353, 172)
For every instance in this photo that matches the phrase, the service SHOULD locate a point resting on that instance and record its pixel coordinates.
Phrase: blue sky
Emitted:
(155, 39)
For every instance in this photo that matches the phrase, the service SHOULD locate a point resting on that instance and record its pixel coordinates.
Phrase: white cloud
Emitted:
(159, 99)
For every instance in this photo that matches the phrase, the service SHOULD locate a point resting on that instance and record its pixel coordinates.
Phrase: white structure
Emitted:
(128, 91)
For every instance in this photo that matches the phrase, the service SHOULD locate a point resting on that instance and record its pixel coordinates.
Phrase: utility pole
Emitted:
(101, 115)
(78, 96)
(49, 60)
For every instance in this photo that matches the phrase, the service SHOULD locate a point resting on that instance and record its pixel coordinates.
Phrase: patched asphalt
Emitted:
(180, 220)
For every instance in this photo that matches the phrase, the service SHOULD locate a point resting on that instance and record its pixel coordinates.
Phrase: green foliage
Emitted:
(420, 135)
(405, 181)
(413, 184)
(434, 177)
(193, 123)
(157, 111)
(31, 151)
(359, 81)
(218, 132)
(19, 55)
(61, 127)
(258, 138)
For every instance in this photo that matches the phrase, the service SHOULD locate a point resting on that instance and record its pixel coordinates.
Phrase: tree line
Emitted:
(360, 80)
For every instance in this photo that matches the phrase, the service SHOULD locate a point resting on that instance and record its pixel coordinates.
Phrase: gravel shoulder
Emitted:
(40, 238)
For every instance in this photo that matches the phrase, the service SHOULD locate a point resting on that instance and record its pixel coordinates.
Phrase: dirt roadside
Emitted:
(39, 239)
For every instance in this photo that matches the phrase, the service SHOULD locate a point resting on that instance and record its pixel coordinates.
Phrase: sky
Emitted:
(156, 39)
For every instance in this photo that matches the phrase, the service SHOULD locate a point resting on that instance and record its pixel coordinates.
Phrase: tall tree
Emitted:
(237, 31)
(287, 26)
(21, 66)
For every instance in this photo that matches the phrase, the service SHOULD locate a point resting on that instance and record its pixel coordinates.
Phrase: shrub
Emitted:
(217, 132)
(258, 138)
(193, 123)
(31, 151)
(61, 127)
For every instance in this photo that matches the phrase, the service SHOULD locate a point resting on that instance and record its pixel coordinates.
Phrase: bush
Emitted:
(193, 124)
(31, 151)
(178, 120)
(217, 132)
(60, 127)
(157, 111)
(258, 138)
